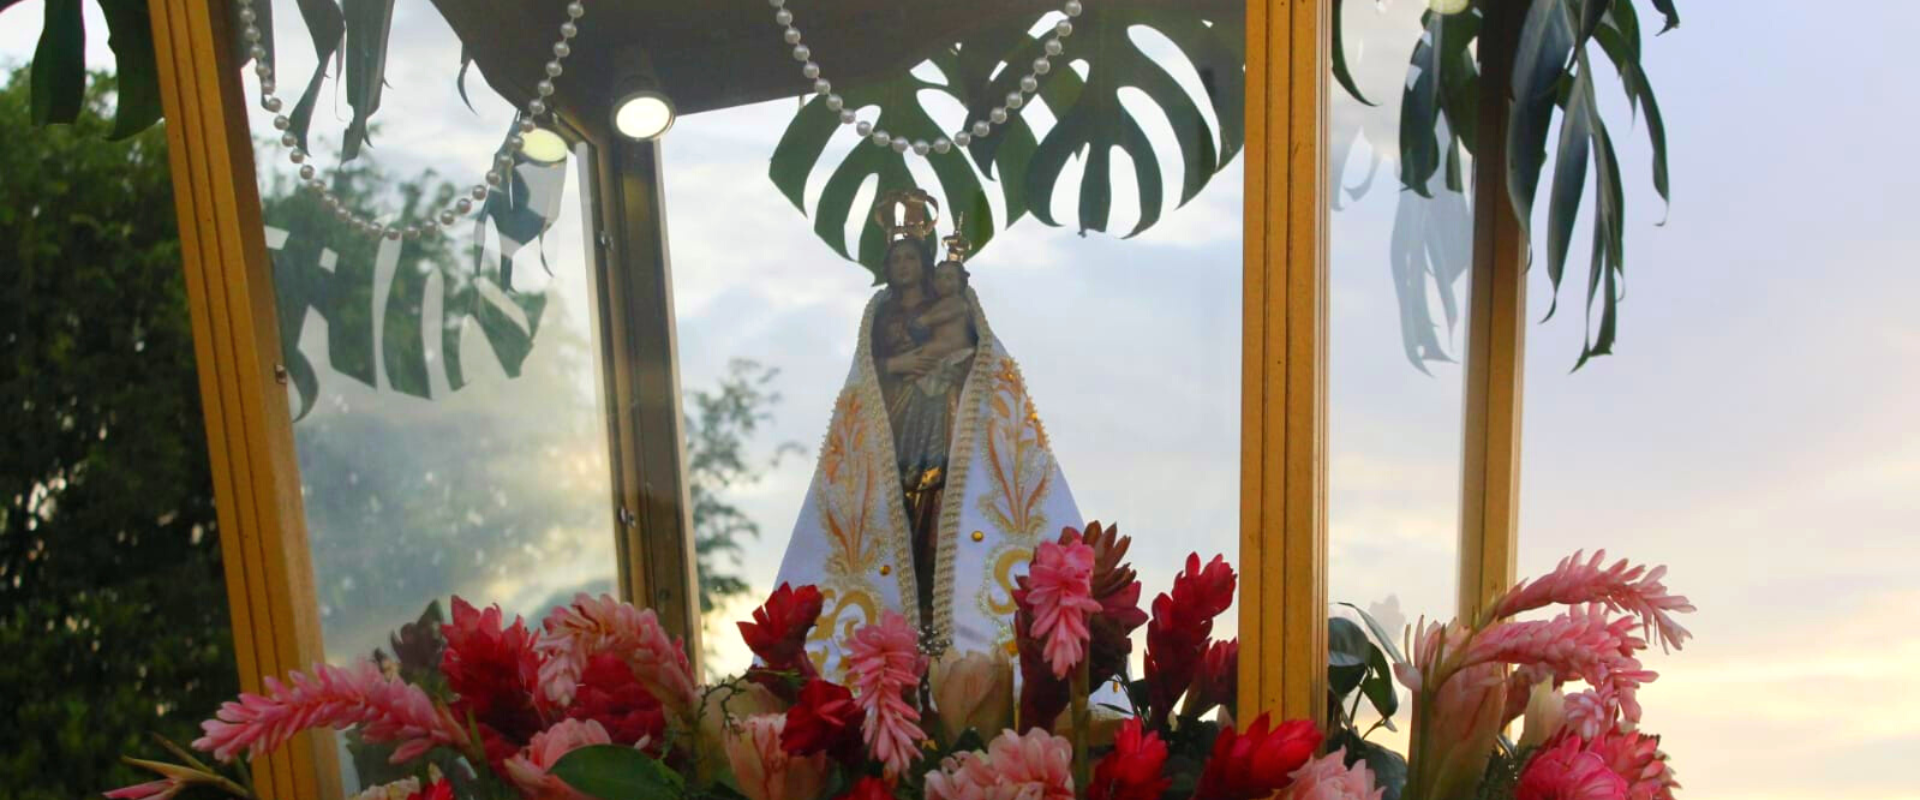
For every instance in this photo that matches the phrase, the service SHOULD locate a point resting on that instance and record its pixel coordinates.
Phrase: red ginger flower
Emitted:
(778, 633)
(1132, 771)
(1178, 635)
(384, 709)
(494, 670)
(1061, 593)
(1634, 589)
(869, 788)
(1217, 681)
(1257, 763)
(1567, 772)
(610, 695)
(825, 720)
(1637, 759)
(884, 662)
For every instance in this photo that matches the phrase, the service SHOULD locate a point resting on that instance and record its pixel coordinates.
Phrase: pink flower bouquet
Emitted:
(597, 701)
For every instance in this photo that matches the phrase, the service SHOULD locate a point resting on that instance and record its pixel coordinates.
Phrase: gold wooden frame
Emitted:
(249, 430)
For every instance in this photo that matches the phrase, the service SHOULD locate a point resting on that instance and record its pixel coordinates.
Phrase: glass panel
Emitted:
(1399, 263)
(1755, 430)
(1128, 349)
(451, 437)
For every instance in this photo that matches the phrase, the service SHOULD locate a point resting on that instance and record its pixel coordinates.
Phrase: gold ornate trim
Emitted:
(959, 464)
(868, 384)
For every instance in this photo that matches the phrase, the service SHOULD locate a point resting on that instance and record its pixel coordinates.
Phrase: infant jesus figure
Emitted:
(949, 329)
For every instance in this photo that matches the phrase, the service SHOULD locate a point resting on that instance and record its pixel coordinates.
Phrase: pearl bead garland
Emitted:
(981, 129)
(503, 159)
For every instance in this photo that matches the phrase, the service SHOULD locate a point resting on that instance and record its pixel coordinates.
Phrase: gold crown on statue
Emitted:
(906, 212)
(958, 247)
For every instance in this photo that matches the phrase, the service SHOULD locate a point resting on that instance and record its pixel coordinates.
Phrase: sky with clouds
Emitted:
(1756, 431)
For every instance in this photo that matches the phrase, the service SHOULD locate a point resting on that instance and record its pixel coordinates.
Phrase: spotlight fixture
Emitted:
(543, 146)
(643, 115)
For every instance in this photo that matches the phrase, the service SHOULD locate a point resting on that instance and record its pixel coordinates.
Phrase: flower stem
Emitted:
(1082, 724)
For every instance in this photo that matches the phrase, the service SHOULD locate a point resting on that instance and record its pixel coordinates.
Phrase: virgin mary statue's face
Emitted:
(903, 266)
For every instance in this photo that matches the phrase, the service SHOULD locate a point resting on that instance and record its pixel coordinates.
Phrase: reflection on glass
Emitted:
(1398, 266)
(449, 429)
(1126, 381)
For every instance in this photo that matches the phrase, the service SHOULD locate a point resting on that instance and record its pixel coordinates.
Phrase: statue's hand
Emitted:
(912, 365)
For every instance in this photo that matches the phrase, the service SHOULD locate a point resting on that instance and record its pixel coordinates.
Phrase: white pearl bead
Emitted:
(1029, 84)
(306, 172)
(262, 71)
(569, 30)
(252, 34)
(267, 86)
(1054, 47)
(863, 128)
(447, 218)
(504, 160)
(392, 233)
(1063, 30)
(289, 140)
(792, 35)
(536, 108)
(920, 147)
(835, 102)
(998, 115)
(901, 145)
(554, 69)
(811, 70)
(942, 146)
(545, 88)
(282, 123)
(316, 185)
(1072, 8)
(463, 205)
(846, 117)
(479, 192)
(257, 51)
(493, 178)
(1041, 66)
(1015, 100)
(271, 104)
(822, 87)
(297, 156)
(526, 125)
(963, 138)
(516, 142)
(783, 17)
(576, 10)
(882, 138)
(247, 15)
(981, 129)
(562, 49)
(801, 53)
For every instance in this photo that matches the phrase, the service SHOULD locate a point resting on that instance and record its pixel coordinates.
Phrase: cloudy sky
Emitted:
(1756, 431)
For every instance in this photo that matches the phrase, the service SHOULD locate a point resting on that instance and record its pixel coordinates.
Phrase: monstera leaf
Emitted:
(1021, 163)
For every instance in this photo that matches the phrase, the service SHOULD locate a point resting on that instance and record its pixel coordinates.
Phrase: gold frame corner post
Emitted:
(237, 350)
(1283, 520)
(1496, 341)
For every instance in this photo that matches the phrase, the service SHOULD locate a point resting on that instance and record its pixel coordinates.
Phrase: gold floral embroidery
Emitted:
(831, 627)
(1018, 459)
(1005, 559)
(849, 482)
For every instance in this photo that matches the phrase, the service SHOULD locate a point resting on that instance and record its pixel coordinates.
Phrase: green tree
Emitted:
(113, 611)
(720, 425)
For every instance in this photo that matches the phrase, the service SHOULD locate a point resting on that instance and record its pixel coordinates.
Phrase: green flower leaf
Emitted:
(613, 772)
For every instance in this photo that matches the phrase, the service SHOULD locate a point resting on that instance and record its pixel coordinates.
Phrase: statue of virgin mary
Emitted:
(935, 480)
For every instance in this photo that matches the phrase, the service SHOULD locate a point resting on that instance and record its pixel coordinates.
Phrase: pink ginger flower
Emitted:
(385, 709)
(1062, 597)
(883, 663)
(591, 626)
(528, 770)
(1637, 759)
(1036, 766)
(1592, 713)
(764, 770)
(1329, 778)
(1581, 644)
(1566, 772)
(1623, 587)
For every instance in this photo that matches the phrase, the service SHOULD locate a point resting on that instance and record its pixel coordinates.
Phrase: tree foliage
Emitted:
(113, 611)
(721, 424)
